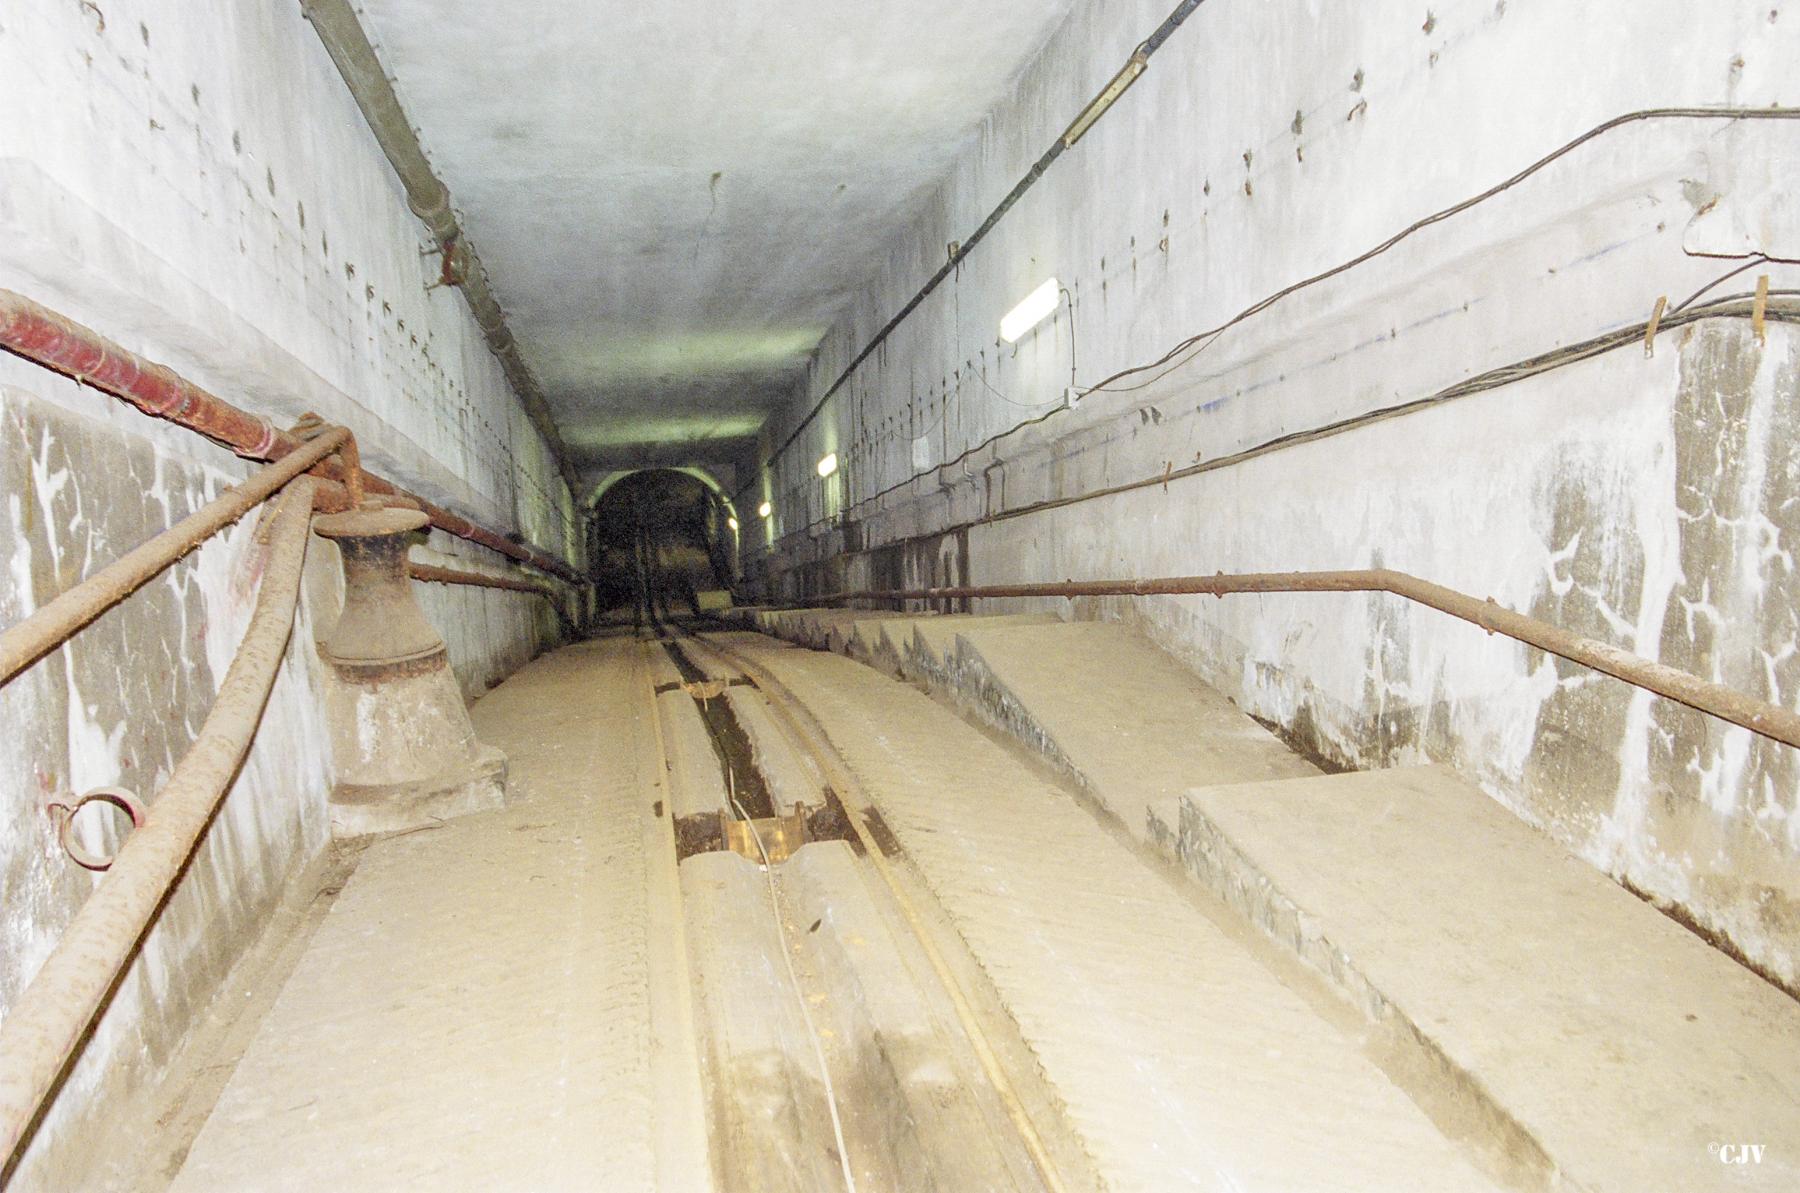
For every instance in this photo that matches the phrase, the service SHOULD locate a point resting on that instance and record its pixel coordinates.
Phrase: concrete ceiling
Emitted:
(675, 200)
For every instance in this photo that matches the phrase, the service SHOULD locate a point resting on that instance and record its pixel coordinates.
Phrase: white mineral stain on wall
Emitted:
(152, 188)
(18, 598)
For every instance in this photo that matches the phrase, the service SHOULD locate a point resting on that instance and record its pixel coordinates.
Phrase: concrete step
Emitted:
(870, 636)
(910, 645)
(815, 627)
(839, 634)
(1620, 1046)
(930, 643)
(1128, 723)
(763, 621)
(1180, 1059)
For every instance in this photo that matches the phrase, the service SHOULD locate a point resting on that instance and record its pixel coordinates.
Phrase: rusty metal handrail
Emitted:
(44, 1028)
(31, 639)
(1728, 704)
(432, 574)
(33, 331)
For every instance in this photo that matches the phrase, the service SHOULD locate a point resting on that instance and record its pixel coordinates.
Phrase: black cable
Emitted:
(982, 377)
(1050, 155)
(1733, 306)
(1204, 338)
(1455, 209)
(1684, 304)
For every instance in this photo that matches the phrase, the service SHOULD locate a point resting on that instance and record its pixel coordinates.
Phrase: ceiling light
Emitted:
(763, 510)
(1031, 312)
(828, 465)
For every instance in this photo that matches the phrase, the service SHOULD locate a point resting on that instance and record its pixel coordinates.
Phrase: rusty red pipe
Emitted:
(33, 331)
(40, 335)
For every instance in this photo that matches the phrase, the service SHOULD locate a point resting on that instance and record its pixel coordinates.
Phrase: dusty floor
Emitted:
(980, 973)
(474, 1011)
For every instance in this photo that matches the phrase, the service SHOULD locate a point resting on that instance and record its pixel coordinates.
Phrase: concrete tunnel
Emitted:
(1041, 595)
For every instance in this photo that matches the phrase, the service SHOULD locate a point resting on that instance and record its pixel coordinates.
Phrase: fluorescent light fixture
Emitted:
(1128, 74)
(731, 522)
(764, 510)
(828, 465)
(1028, 314)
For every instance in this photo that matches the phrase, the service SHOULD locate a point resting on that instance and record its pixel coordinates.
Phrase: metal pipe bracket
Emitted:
(64, 810)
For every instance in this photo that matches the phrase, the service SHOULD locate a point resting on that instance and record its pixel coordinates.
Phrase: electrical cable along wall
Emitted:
(1493, 297)
(1146, 374)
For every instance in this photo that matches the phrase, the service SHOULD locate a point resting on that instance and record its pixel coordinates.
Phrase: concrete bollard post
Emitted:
(402, 745)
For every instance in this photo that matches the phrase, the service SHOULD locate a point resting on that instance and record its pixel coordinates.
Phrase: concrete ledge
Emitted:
(791, 777)
(1125, 722)
(696, 782)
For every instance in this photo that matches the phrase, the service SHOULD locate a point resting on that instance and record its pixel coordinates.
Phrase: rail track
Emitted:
(864, 1108)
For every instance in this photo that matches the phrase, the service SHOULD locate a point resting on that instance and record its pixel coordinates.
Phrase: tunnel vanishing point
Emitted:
(1047, 595)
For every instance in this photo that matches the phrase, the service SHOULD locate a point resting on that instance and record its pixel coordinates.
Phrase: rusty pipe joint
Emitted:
(381, 631)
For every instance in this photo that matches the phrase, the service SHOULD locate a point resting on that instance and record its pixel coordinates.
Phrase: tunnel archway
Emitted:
(703, 475)
(662, 541)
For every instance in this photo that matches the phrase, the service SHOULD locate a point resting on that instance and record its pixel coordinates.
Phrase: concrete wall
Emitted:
(192, 180)
(1650, 501)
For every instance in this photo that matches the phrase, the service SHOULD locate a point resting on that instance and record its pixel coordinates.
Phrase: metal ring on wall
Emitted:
(119, 798)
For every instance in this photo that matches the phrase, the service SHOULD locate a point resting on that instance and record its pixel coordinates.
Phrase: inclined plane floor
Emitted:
(492, 1003)
(1181, 1061)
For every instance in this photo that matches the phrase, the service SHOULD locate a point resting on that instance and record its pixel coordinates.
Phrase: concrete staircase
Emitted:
(1599, 1032)
(1584, 1036)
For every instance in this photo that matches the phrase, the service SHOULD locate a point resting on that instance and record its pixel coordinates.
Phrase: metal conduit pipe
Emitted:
(43, 337)
(44, 1028)
(50, 626)
(433, 574)
(1758, 716)
(349, 46)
